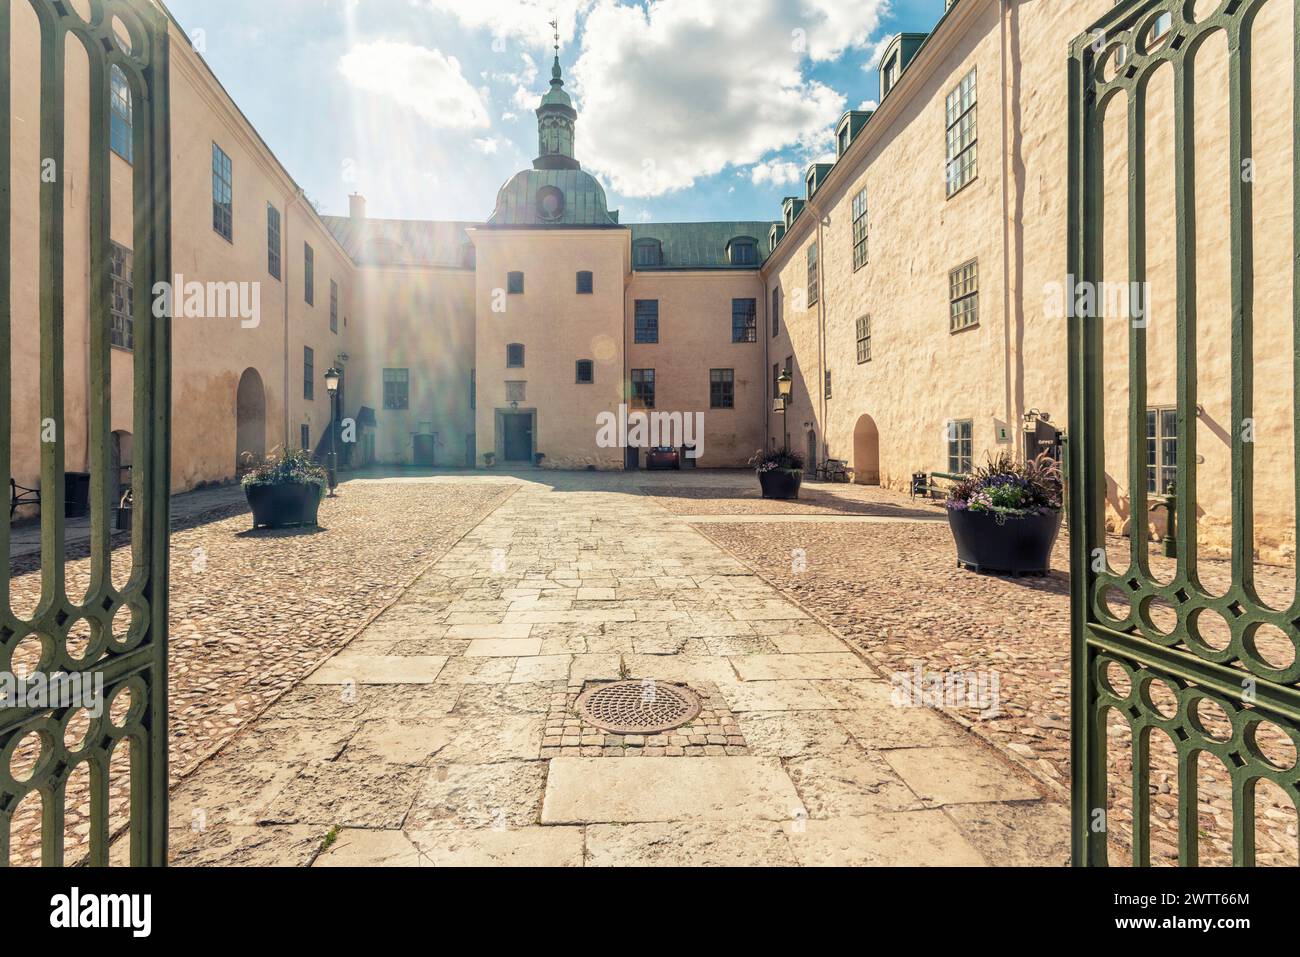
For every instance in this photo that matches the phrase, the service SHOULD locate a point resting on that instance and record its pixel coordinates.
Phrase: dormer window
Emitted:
(647, 254)
(843, 142)
(811, 183)
(550, 204)
(742, 252)
(889, 76)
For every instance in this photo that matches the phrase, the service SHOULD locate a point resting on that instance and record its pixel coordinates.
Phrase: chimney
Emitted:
(357, 206)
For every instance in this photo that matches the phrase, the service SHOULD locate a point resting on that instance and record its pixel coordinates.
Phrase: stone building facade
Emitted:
(908, 290)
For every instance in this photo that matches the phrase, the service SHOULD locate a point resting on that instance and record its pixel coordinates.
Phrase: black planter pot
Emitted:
(1019, 546)
(285, 505)
(780, 483)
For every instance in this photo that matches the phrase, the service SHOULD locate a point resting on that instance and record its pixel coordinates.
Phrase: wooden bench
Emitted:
(925, 484)
(835, 470)
(20, 495)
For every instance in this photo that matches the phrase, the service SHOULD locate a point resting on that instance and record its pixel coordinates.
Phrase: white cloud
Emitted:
(872, 62)
(419, 79)
(868, 106)
(682, 89)
(527, 21)
(488, 145)
(775, 173)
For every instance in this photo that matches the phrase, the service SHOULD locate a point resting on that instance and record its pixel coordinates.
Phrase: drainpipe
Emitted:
(284, 269)
(821, 335)
(1009, 358)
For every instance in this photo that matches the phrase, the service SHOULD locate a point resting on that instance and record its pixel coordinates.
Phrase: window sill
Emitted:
(963, 187)
(957, 332)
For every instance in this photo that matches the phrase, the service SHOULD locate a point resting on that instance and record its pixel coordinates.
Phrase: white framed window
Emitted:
(962, 147)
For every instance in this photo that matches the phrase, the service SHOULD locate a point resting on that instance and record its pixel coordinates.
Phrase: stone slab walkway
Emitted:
(444, 734)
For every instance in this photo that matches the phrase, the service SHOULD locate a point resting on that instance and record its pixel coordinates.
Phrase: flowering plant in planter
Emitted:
(287, 466)
(780, 472)
(285, 489)
(1006, 488)
(1006, 516)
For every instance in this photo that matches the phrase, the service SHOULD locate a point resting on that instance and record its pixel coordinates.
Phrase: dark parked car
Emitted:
(663, 457)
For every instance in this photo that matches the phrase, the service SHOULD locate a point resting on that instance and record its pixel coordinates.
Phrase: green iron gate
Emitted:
(130, 35)
(1116, 58)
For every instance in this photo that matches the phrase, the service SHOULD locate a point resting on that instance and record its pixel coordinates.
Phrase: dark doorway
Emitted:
(631, 458)
(517, 437)
(426, 450)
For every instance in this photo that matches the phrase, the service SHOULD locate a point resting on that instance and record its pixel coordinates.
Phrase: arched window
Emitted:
(647, 253)
(120, 119)
(515, 356)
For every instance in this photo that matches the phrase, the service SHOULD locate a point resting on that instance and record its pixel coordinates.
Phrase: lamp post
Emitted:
(784, 388)
(332, 376)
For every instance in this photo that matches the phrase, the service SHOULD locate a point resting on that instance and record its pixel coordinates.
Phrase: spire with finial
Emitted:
(556, 118)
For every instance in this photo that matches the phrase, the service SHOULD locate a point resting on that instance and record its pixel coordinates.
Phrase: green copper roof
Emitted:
(584, 200)
(701, 245)
(556, 96)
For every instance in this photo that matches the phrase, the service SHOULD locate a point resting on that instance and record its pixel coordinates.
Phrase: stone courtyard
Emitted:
(444, 731)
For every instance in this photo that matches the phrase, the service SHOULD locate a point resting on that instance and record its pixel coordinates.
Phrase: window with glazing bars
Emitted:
(120, 115)
(643, 388)
(273, 240)
(776, 312)
(584, 372)
(584, 283)
(744, 254)
(864, 339)
(334, 306)
(515, 355)
(121, 264)
(397, 388)
(744, 320)
(812, 275)
(223, 194)
(828, 383)
(964, 296)
(1162, 449)
(961, 446)
(961, 112)
(860, 229)
(722, 388)
(309, 274)
(647, 321)
(308, 373)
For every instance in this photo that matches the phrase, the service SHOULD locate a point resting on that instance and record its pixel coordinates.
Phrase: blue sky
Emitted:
(688, 109)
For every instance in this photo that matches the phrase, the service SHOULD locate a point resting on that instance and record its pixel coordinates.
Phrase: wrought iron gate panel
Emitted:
(1249, 689)
(132, 661)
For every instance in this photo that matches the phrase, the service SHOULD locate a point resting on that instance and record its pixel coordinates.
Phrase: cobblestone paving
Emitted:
(894, 590)
(421, 742)
(253, 612)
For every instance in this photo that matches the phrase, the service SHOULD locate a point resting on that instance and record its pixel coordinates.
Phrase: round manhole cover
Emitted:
(638, 707)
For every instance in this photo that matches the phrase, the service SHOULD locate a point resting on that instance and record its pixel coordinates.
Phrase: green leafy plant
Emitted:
(1007, 488)
(770, 461)
(287, 466)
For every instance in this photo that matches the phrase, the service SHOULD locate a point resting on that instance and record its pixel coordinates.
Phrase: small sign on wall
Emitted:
(1002, 431)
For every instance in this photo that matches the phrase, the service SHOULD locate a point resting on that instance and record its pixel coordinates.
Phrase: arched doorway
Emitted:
(250, 420)
(866, 452)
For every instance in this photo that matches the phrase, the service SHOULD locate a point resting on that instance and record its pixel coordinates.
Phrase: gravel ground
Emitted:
(894, 590)
(253, 611)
